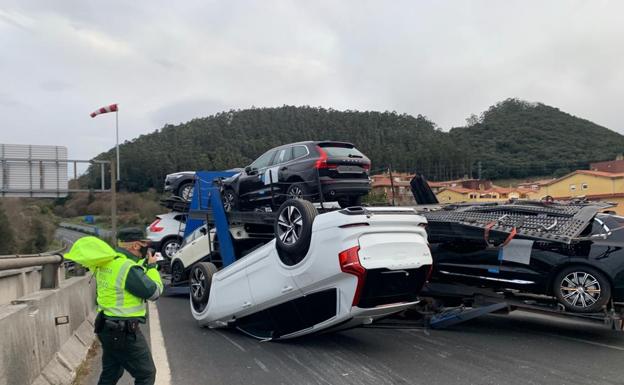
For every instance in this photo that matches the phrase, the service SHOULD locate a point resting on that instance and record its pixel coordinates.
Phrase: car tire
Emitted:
(200, 282)
(582, 289)
(293, 229)
(298, 190)
(185, 191)
(229, 200)
(177, 273)
(169, 247)
(350, 201)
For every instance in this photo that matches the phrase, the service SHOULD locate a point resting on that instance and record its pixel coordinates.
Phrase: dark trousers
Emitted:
(124, 350)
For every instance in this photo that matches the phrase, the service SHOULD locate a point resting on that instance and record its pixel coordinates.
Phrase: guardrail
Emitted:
(93, 230)
(49, 261)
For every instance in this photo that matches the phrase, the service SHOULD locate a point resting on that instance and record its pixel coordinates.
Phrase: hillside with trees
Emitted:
(517, 139)
(512, 139)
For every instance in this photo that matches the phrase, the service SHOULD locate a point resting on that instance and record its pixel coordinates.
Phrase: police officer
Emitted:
(123, 286)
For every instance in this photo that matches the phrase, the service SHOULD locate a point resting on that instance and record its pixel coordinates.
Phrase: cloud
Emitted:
(169, 63)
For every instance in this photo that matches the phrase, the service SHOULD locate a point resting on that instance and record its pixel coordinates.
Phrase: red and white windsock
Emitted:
(104, 110)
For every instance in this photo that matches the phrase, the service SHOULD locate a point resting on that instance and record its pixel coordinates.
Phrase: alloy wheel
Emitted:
(187, 192)
(295, 192)
(580, 289)
(198, 284)
(177, 272)
(171, 248)
(289, 225)
(228, 201)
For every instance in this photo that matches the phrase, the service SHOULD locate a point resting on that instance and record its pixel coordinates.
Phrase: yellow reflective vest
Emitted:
(112, 297)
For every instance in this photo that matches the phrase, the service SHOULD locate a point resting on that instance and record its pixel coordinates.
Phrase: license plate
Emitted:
(349, 169)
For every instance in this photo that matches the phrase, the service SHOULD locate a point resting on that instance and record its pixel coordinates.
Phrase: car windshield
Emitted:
(612, 225)
(342, 151)
(263, 161)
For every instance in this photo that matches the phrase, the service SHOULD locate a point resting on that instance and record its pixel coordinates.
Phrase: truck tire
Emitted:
(293, 229)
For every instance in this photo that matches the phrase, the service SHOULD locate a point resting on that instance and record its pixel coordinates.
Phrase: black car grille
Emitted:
(384, 286)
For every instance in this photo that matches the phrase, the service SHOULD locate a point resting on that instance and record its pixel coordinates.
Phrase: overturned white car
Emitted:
(322, 272)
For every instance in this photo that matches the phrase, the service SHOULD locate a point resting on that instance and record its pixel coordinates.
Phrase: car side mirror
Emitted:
(203, 231)
(247, 169)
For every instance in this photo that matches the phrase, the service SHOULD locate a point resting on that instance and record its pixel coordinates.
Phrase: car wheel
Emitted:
(177, 273)
(298, 191)
(293, 229)
(185, 191)
(201, 279)
(230, 200)
(170, 247)
(350, 201)
(582, 289)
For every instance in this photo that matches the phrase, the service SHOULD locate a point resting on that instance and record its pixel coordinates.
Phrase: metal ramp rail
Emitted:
(484, 301)
(555, 222)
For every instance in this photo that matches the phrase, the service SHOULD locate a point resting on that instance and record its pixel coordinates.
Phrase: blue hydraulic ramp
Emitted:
(207, 199)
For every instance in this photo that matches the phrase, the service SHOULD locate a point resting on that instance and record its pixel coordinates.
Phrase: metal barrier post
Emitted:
(50, 276)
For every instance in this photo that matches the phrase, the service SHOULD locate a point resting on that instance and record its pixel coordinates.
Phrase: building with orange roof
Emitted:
(493, 194)
(590, 184)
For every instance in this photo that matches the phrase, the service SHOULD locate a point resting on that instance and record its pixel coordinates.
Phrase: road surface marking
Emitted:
(615, 347)
(231, 341)
(261, 365)
(163, 372)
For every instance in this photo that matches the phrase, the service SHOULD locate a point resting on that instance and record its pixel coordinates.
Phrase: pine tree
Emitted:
(7, 236)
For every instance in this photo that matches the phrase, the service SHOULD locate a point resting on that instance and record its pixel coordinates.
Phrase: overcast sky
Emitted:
(169, 62)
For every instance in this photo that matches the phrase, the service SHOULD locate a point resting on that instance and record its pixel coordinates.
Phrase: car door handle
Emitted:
(286, 289)
(246, 305)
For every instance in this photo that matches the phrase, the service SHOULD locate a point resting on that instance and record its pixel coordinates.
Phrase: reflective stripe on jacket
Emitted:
(112, 297)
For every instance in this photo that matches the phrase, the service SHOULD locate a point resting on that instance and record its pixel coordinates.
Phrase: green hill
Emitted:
(513, 139)
(234, 138)
(516, 139)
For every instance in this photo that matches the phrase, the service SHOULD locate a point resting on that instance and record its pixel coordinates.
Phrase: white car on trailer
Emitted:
(322, 272)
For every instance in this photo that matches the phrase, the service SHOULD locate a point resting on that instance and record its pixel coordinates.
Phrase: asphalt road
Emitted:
(521, 348)
(68, 235)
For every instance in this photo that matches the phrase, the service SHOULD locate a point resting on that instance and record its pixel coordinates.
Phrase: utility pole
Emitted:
(117, 140)
(479, 170)
(114, 203)
(391, 183)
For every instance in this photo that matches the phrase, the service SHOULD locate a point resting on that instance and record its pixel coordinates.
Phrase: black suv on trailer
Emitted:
(296, 171)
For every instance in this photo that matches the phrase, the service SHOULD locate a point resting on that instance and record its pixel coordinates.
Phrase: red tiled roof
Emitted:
(589, 172)
(539, 182)
(460, 190)
(592, 196)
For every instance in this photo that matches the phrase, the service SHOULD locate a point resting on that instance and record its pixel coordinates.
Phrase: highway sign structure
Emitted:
(33, 171)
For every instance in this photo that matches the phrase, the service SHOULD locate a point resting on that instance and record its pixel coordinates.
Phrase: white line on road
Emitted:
(163, 372)
(614, 347)
(242, 349)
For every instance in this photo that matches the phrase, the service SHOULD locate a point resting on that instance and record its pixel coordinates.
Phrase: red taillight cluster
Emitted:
(154, 228)
(429, 273)
(350, 264)
(321, 162)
